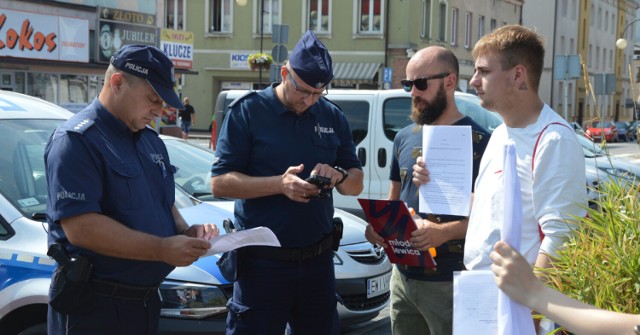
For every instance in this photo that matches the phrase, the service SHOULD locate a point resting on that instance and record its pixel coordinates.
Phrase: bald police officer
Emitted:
(270, 143)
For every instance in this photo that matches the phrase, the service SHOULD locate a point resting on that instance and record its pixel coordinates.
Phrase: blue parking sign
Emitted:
(387, 75)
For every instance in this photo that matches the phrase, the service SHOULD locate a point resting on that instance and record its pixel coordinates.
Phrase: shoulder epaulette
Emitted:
(333, 103)
(81, 126)
(242, 97)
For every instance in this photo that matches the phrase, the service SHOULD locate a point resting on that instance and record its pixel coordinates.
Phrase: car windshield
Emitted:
(22, 171)
(194, 166)
(621, 125)
(600, 125)
(22, 179)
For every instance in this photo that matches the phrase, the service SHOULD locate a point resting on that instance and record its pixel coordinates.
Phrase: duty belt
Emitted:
(122, 291)
(291, 254)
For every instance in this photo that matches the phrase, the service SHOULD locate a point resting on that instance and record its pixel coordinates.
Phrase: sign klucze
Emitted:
(178, 46)
(39, 36)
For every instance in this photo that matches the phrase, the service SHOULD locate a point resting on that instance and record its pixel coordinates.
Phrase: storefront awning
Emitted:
(354, 73)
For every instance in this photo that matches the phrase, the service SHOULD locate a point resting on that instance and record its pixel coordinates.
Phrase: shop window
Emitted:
(43, 86)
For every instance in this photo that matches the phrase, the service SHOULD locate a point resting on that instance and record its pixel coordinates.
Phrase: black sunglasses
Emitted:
(421, 83)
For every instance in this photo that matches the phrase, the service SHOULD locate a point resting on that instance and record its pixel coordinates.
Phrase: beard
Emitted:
(432, 109)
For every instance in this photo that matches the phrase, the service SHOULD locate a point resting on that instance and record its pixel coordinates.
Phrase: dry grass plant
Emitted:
(600, 264)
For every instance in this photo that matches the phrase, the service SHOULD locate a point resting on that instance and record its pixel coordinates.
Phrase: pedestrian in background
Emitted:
(422, 298)
(270, 143)
(187, 118)
(111, 195)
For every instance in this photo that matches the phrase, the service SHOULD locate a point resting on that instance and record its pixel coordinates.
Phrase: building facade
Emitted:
(59, 50)
(586, 31)
(370, 40)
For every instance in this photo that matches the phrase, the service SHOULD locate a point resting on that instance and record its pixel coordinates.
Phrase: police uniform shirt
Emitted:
(96, 164)
(259, 137)
(407, 146)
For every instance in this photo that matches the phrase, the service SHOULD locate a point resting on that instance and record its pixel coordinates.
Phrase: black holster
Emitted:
(230, 264)
(338, 228)
(70, 292)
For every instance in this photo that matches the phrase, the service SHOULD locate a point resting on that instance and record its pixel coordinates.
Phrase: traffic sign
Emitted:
(279, 53)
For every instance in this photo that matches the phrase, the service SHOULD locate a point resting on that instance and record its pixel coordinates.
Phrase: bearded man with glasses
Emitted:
(422, 298)
(271, 142)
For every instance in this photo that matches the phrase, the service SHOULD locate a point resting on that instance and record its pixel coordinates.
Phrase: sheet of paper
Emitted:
(447, 153)
(513, 318)
(243, 238)
(475, 303)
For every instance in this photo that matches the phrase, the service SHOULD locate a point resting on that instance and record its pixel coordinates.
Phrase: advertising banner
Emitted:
(113, 35)
(178, 46)
(39, 36)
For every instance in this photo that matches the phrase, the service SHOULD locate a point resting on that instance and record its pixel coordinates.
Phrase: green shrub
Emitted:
(600, 264)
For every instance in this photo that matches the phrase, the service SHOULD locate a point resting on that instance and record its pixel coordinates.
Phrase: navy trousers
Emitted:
(269, 294)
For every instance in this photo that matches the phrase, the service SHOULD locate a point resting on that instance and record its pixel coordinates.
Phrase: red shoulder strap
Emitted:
(533, 157)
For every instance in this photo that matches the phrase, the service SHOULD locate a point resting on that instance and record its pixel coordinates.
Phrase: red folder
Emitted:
(392, 220)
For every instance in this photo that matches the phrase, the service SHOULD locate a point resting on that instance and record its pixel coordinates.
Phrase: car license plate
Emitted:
(378, 285)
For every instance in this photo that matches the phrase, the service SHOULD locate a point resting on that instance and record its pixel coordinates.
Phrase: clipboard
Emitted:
(392, 220)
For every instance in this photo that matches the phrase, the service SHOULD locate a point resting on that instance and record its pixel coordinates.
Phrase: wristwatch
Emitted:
(344, 172)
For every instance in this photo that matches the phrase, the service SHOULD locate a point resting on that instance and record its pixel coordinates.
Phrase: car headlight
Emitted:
(191, 301)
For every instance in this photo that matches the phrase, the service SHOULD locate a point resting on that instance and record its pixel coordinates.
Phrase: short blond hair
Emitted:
(515, 45)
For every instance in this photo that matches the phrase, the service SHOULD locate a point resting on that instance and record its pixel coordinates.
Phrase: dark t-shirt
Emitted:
(407, 146)
(185, 114)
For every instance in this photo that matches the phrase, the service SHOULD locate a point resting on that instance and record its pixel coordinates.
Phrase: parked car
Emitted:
(608, 167)
(577, 128)
(595, 131)
(623, 131)
(362, 270)
(633, 130)
(25, 269)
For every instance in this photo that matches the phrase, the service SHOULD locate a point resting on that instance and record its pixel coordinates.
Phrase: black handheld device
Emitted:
(320, 182)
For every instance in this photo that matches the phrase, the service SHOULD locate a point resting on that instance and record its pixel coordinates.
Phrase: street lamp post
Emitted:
(621, 43)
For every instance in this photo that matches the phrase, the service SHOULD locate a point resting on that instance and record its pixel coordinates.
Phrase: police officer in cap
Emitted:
(111, 200)
(271, 142)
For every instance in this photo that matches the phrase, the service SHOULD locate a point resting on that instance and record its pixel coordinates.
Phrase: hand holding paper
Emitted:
(447, 153)
(254, 236)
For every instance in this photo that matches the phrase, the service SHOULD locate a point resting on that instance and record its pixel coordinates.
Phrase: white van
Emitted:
(375, 116)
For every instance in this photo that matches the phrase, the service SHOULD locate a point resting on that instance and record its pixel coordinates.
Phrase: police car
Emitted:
(194, 297)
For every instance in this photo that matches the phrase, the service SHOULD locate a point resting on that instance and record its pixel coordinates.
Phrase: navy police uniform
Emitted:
(260, 137)
(95, 163)
(407, 146)
(101, 166)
